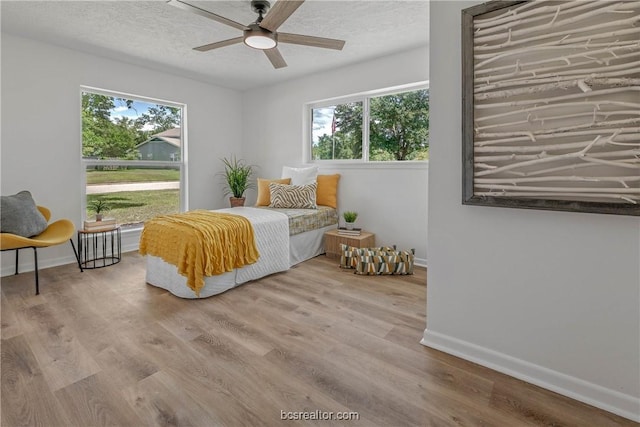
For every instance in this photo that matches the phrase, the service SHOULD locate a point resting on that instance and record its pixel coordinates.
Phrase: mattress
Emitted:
(303, 220)
(306, 230)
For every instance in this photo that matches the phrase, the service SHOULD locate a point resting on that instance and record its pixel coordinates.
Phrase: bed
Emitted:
(284, 237)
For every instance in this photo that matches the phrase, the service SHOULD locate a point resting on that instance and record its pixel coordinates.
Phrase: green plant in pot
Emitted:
(237, 175)
(349, 218)
(99, 207)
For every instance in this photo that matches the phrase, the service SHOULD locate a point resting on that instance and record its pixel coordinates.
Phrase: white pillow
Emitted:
(300, 176)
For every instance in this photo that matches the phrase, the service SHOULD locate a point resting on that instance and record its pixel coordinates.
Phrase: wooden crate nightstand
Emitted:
(332, 241)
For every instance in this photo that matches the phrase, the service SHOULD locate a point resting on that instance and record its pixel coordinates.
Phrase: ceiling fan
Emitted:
(261, 34)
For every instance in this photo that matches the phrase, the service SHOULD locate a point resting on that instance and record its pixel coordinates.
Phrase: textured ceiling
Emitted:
(154, 34)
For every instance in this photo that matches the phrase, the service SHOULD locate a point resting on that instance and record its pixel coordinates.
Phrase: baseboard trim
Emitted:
(29, 266)
(420, 262)
(592, 394)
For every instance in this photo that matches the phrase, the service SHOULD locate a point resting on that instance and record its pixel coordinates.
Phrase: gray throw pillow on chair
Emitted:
(19, 215)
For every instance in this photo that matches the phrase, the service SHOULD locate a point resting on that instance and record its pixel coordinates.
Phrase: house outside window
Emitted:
(131, 155)
(389, 125)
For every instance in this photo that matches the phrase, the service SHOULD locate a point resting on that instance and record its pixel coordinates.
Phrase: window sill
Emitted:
(328, 164)
(132, 229)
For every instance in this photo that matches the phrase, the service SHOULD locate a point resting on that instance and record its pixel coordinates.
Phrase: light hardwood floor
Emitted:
(103, 348)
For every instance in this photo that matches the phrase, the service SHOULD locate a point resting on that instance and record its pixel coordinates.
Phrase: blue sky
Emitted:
(138, 108)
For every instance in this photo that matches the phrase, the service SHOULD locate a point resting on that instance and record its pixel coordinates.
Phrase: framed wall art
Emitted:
(551, 105)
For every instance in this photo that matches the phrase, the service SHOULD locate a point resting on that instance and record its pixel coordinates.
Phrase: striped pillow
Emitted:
(349, 254)
(393, 262)
(293, 196)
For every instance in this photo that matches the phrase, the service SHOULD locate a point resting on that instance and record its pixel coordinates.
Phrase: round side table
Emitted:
(97, 249)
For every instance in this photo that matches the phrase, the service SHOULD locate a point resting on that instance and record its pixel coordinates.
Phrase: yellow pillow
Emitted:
(327, 193)
(264, 196)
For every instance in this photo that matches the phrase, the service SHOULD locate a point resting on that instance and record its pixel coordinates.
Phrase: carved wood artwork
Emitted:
(551, 105)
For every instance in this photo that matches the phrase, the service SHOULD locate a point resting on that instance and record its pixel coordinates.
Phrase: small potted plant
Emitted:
(349, 218)
(98, 206)
(237, 176)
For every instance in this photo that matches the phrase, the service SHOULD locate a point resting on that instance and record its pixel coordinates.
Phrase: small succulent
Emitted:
(98, 206)
(350, 216)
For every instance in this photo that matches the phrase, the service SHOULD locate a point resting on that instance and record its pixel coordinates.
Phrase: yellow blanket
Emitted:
(200, 243)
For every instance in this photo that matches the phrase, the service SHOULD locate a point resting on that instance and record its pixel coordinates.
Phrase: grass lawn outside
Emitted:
(135, 207)
(131, 175)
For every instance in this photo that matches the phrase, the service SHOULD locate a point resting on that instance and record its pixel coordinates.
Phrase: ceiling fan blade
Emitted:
(198, 11)
(279, 13)
(311, 41)
(275, 57)
(216, 45)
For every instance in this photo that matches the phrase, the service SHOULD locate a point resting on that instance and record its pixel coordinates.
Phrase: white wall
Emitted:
(41, 128)
(392, 201)
(549, 297)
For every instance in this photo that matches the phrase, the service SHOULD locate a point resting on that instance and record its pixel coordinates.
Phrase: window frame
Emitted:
(182, 163)
(365, 98)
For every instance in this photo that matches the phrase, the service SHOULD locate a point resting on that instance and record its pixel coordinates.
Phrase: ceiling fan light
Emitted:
(260, 42)
(259, 38)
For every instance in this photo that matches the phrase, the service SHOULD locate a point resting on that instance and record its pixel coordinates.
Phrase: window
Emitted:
(132, 151)
(387, 125)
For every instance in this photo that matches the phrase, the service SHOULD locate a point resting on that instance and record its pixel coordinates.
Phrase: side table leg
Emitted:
(76, 254)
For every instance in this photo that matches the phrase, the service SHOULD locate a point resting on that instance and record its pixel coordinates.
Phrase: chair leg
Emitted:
(17, 252)
(76, 254)
(35, 258)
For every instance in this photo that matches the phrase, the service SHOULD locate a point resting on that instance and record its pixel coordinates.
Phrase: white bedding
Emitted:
(271, 231)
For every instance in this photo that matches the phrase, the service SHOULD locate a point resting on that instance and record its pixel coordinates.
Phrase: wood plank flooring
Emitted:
(103, 348)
